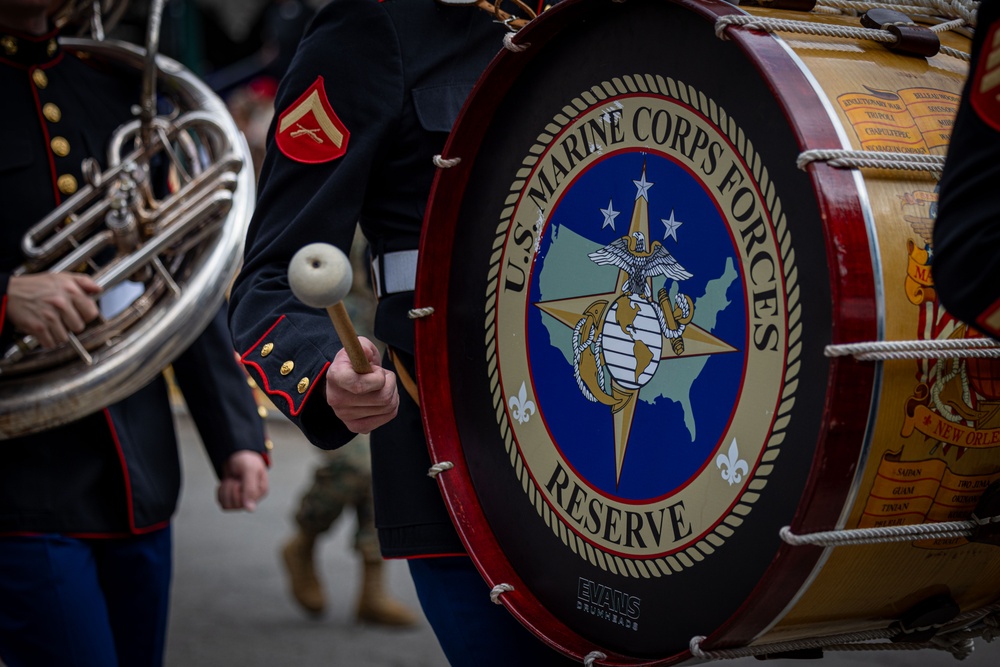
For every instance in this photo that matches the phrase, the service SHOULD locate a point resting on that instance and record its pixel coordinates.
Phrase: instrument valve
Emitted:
(91, 170)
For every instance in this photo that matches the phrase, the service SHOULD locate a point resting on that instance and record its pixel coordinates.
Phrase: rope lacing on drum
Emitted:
(964, 10)
(498, 590)
(821, 29)
(439, 468)
(955, 637)
(508, 43)
(446, 162)
(848, 159)
(592, 657)
(885, 534)
(979, 348)
(768, 24)
(417, 313)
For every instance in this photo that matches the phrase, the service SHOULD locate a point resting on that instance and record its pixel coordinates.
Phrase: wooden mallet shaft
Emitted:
(349, 337)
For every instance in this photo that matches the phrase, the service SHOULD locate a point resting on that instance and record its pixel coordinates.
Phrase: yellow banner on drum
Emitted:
(912, 120)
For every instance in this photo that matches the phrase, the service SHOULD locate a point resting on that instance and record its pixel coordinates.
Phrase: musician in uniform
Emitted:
(966, 263)
(85, 508)
(369, 99)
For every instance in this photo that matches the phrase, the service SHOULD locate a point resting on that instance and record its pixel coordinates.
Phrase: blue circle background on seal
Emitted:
(684, 409)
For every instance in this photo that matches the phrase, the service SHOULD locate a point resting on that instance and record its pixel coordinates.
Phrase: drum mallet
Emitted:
(320, 276)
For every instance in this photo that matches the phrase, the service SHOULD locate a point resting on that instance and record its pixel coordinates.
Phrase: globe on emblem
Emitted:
(632, 341)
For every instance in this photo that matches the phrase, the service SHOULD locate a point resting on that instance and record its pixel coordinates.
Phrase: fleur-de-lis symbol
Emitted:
(521, 408)
(732, 466)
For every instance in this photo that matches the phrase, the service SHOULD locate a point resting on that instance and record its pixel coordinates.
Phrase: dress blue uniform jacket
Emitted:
(115, 472)
(966, 260)
(394, 75)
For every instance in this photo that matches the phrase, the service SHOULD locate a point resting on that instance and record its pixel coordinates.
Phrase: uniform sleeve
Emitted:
(218, 397)
(351, 50)
(966, 260)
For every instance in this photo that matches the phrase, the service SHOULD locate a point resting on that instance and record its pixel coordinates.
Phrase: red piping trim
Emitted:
(52, 34)
(263, 376)
(128, 480)
(13, 64)
(3, 311)
(266, 333)
(27, 37)
(151, 529)
(90, 536)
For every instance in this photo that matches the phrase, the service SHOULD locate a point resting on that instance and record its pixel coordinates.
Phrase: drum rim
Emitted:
(853, 296)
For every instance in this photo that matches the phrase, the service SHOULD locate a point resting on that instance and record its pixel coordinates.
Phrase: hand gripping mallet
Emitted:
(320, 276)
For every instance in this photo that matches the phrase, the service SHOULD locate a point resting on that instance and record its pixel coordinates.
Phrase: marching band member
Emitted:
(966, 263)
(370, 97)
(85, 508)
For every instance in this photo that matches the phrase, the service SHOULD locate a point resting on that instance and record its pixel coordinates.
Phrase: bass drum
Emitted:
(631, 283)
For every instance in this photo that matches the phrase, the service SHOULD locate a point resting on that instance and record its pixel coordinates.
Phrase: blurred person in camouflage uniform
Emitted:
(344, 480)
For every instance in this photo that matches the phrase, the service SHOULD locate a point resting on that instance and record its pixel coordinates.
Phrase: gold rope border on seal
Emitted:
(695, 553)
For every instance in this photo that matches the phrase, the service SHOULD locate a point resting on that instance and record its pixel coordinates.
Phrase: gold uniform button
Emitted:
(303, 385)
(50, 49)
(287, 367)
(67, 184)
(268, 445)
(60, 146)
(40, 78)
(267, 349)
(262, 411)
(9, 45)
(52, 113)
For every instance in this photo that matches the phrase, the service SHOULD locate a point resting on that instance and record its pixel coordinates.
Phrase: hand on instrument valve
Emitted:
(244, 481)
(50, 305)
(363, 401)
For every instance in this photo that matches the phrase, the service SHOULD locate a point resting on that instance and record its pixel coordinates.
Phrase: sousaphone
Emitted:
(169, 257)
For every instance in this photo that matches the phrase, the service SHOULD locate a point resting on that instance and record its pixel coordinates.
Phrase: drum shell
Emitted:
(846, 296)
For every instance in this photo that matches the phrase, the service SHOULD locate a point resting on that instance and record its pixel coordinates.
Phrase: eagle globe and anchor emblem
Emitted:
(621, 339)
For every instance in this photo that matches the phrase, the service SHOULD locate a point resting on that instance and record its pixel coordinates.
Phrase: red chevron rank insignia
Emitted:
(985, 92)
(309, 131)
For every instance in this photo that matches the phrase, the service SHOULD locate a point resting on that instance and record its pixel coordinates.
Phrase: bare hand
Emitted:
(50, 305)
(244, 481)
(362, 401)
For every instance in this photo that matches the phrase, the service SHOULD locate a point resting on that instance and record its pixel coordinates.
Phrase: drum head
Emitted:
(631, 296)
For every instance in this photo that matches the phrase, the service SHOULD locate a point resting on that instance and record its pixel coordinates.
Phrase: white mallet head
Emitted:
(320, 275)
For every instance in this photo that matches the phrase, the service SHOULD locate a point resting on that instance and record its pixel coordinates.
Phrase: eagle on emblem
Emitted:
(629, 254)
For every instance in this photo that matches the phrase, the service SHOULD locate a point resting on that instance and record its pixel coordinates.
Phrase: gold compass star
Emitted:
(570, 312)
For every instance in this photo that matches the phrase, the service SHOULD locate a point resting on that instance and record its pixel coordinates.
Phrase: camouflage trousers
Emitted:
(343, 480)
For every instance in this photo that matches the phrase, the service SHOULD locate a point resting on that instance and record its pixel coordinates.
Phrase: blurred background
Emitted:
(231, 601)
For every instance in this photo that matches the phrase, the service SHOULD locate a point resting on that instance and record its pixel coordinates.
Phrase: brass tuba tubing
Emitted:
(185, 220)
(192, 238)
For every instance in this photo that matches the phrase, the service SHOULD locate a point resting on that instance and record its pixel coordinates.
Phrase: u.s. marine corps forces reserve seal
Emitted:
(641, 320)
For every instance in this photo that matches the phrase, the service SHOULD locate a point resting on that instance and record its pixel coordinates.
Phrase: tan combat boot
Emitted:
(306, 587)
(375, 605)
